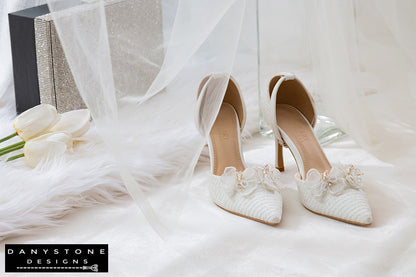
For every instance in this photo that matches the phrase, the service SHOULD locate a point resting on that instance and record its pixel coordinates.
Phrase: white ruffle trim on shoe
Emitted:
(337, 193)
(252, 193)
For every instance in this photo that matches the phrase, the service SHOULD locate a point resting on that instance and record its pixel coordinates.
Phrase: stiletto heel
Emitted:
(247, 192)
(332, 191)
(279, 157)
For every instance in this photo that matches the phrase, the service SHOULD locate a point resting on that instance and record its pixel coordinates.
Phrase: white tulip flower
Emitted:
(31, 123)
(35, 121)
(45, 133)
(45, 146)
(75, 122)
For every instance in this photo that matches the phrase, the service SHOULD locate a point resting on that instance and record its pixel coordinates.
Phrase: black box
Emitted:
(23, 45)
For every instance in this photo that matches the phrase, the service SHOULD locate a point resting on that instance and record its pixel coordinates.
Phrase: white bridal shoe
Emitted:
(248, 192)
(332, 191)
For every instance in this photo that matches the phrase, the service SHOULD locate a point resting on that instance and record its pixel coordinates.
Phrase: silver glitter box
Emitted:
(56, 82)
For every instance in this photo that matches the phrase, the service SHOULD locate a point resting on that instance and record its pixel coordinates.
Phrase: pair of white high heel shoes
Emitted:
(332, 191)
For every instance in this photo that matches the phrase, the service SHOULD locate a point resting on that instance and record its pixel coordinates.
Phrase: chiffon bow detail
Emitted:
(249, 180)
(334, 181)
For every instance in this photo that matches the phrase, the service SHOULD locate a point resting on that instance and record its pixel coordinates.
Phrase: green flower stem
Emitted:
(11, 149)
(15, 157)
(8, 137)
(12, 146)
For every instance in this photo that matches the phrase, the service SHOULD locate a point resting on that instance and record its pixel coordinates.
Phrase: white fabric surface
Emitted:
(212, 242)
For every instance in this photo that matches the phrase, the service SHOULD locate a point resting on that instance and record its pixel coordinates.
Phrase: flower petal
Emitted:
(229, 181)
(36, 151)
(313, 176)
(75, 122)
(250, 174)
(35, 121)
(62, 137)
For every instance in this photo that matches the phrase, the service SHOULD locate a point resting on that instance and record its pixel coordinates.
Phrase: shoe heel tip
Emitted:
(282, 168)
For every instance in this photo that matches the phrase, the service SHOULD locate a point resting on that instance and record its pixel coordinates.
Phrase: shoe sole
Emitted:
(248, 217)
(339, 219)
(274, 224)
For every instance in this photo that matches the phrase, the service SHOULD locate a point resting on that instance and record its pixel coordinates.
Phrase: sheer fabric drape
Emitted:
(154, 124)
(358, 58)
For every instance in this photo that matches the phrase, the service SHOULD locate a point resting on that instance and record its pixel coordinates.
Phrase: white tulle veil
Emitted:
(358, 58)
(150, 116)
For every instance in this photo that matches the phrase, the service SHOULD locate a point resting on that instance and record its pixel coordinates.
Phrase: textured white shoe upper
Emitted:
(337, 193)
(253, 193)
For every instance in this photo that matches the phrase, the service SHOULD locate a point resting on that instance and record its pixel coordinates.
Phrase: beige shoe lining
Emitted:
(297, 128)
(225, 140)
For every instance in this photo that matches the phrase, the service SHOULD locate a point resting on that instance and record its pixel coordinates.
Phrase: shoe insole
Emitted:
(301, 140)
(225, 140)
